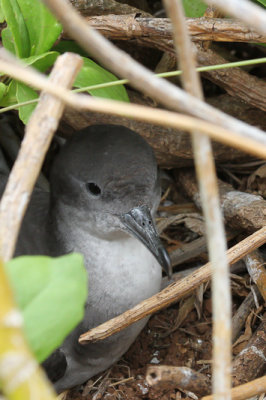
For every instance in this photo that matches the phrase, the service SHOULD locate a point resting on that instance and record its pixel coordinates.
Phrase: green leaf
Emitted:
(43, 61)
(3, 90)
(17, 27)
(2, 16)
(263, 2)
(92, 74)
(194, 8)
(10, 96)
(69, 45)
(51, 293)
(25, 93)
(42, 26)
(8, 40)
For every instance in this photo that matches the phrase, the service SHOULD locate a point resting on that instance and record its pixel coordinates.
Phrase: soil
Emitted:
(188, 346)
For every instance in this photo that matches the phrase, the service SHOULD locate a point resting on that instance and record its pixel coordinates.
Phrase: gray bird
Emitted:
(104, 193)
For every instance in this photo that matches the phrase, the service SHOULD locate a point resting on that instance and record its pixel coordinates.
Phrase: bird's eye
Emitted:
(93, 189)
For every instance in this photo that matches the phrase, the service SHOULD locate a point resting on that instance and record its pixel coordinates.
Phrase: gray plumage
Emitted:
(103, 182)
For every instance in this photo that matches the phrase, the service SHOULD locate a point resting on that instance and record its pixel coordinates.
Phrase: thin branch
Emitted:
(168, 74)
(249, 139)
(172, 293)
(125, 27)
(237, 82)
(256, 269)
(246, 391)
(245, 308)
(96, 7)
(250, 363)
(178, 377)
(245, 11)
(38, 136)
(205, 168)
(123, 65)
(249, 217)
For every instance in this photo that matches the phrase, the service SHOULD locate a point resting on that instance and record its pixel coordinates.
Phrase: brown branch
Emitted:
(178, 377)
(235, 81)
(250, 363)
(250, 216)
(211, 12)
(172, 147)
(125, 27)
(256, 268)
(172, 293)
(247, 390)
(251, 14)
(249, 139)
(206, 175)
(188, 251)
(139, 76)
(38, 136)
(243, 312)
(96, 7)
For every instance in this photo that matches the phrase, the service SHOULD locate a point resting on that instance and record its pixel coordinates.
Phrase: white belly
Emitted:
(126, 273)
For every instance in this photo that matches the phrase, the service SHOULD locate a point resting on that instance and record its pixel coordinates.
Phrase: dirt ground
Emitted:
(188, 346)
(161, 343)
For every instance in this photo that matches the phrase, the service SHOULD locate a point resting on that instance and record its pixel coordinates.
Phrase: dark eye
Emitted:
(93, 189)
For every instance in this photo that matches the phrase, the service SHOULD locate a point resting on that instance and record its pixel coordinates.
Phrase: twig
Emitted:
(125, 27)
(242, 313)
(172, 293)
(123, 65)
(245, 11)
(178, 377)
(246, 391)
(256, 269)
(20, 374)
(38, 136)
(96, 7)
(172, 147)
(204, 163)
(236, 82)
(253, 140)
(250, 363)
(188, 251)
(250, 216)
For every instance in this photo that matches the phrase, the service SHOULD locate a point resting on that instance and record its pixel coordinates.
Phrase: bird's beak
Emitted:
(139, 223)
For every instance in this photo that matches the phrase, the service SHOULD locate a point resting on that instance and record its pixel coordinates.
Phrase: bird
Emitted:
(104, 193)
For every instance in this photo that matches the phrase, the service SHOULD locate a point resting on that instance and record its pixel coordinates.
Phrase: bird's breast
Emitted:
(121, 274)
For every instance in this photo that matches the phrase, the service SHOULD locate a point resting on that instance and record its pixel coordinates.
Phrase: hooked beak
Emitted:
(138, 221)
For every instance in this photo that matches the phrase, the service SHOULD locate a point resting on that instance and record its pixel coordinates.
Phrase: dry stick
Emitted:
(172, 147)
(140, 77)
(235, 81)
(38, 136)
(242, 312)
(200, 29)
(246, 391)
(250, 216)
(96, 7)
(172, 293)
(253, 142)
(250, 363)
(178, 377)
(256, 269)
(252, 15)
(205, 168)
